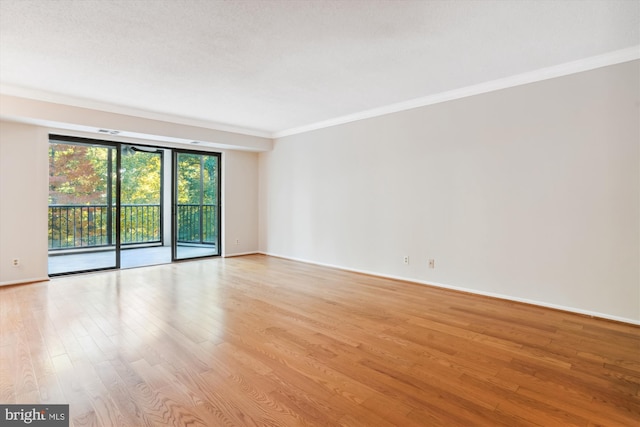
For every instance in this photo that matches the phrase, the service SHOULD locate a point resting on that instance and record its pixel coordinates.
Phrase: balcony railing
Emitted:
(197, 223)
(90, 226)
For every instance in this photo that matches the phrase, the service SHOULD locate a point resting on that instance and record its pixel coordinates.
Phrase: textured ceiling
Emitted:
(271, 66)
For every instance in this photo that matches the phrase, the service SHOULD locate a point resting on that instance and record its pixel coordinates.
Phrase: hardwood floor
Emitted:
(259, 341)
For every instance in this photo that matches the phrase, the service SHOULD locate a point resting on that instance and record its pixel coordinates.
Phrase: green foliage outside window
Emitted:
(78, 180)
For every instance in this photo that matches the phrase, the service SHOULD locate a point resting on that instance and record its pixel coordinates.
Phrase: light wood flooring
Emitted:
(262, 341)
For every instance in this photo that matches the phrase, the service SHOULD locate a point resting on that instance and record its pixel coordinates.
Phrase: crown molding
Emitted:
(128, 111)
(611, 58)
(586, 64)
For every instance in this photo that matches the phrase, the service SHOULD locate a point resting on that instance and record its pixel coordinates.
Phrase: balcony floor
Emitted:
(129, 258)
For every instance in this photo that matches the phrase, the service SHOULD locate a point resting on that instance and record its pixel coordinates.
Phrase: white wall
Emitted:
(240, 194)
(530, 193)
(24, 181)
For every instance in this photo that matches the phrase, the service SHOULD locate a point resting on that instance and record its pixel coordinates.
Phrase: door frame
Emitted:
(174, 202)
(114, 147)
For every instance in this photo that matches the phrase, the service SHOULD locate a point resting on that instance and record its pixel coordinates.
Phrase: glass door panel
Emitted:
(196, 208)
(141, 209)
(82, 226)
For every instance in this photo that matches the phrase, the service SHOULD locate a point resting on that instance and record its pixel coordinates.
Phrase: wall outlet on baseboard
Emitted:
(15, 262)
(237, 241)
(405, 259)
(432, 263)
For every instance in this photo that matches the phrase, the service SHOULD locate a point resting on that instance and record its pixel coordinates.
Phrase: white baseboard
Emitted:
(467, 290)
(239, 254)
(24, 281)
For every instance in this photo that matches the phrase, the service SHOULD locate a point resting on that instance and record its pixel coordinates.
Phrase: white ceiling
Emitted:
(269, 67)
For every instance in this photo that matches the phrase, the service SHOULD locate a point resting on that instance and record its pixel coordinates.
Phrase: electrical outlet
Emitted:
(432, 263)
(237, 241)
(15, 262)
(406, 259)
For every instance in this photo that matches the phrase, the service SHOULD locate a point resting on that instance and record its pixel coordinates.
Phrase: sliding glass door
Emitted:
(141, 217)
(83, 205)
(196, 207)
(107, 205)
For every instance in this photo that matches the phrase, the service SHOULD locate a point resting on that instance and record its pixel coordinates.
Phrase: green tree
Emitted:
(77, 174)
(191, 169)
(141, 175)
